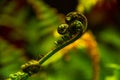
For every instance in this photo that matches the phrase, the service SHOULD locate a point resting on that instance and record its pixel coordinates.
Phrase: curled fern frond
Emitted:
(62, 29)
(28, 69)
(31, 67)
(76, 24)
(76, 17)
(18, 76)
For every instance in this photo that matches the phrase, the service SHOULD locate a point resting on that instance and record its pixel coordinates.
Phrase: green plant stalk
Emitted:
(42, 60)
(78, 29)
(77, 36)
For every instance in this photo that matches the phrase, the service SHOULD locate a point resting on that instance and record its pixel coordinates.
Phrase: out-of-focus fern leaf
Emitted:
(42, 27)
(110, 36)
(33, 23)
(109, 45)
(10, 58)
(8, 9)
(109, 48)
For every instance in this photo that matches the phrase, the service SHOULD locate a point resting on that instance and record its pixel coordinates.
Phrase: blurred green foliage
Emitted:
(27, 29)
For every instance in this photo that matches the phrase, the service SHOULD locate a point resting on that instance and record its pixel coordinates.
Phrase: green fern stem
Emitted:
(41, 61)
(76, 24)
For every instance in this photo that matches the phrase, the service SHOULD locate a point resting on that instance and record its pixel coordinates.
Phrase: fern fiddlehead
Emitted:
(76, 24)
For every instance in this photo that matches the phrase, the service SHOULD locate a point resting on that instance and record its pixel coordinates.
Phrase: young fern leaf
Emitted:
(31, 67)
(76, 24)
(19, 76)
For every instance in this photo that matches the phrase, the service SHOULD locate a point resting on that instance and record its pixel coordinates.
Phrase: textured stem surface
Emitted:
(59, 48)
